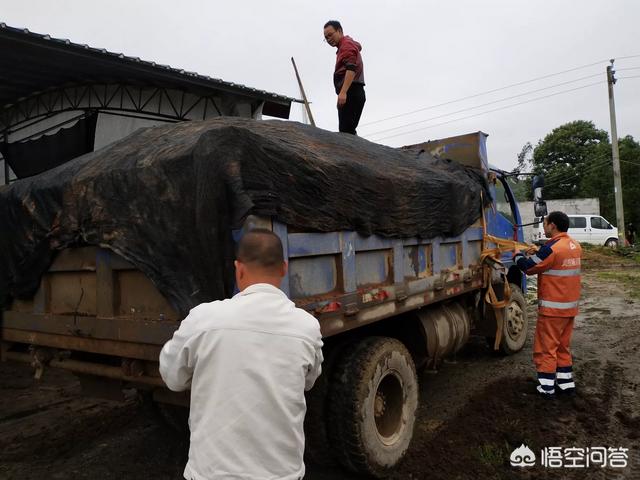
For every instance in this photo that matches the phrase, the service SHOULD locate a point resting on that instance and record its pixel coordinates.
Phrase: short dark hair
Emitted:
(560, 220)
(261, 248)
(335, 24)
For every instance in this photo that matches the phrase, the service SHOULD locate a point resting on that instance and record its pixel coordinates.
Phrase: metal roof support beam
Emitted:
(165, 103)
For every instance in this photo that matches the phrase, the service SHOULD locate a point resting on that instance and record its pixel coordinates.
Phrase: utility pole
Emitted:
(617, 181)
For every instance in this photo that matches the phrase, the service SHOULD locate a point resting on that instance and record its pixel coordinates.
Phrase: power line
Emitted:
(593, 161)
(598, 161)
(628, 56)
(589, 169)
(495, 90)
(482, 105)
(489, 111)
(627, 68)
(563, 177)
(488, 92)
(632, 163)
(624, 78)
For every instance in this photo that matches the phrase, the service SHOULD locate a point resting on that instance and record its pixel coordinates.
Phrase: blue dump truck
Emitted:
(389, 305)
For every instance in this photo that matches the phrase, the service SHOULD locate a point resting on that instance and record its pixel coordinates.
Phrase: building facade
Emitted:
(60, 100)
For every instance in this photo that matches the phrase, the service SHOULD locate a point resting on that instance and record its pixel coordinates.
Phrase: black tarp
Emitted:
(31, 157)
(167, 198)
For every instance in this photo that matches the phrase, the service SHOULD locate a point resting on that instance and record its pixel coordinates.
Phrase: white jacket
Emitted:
(247, 360)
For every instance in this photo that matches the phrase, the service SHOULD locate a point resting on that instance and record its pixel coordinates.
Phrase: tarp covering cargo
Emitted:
(167, 198)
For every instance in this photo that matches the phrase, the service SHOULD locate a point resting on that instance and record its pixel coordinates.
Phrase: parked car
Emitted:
(585, 229)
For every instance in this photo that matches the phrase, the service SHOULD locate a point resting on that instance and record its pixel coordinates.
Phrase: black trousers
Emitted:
(349, 114)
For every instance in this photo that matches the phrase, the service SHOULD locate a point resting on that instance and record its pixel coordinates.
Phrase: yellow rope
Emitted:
(487, 256)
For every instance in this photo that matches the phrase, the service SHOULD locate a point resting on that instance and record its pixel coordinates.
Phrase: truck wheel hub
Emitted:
(387, 408)
(515, 319)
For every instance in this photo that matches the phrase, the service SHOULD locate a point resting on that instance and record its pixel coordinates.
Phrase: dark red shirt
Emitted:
(348, 58)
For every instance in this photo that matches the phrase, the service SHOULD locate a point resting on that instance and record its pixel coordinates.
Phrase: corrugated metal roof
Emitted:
(33, 62)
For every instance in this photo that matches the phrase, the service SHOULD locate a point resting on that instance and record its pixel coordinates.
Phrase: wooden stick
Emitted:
(304, 95)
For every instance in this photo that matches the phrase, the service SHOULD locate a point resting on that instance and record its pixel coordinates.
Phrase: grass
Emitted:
(493, 454)
(629, 253)
(630, 279)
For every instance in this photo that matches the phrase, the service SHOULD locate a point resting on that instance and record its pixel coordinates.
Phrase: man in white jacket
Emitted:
(248, 361)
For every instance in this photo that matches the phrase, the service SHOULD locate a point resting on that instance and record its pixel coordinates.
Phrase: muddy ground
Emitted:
(474, 411)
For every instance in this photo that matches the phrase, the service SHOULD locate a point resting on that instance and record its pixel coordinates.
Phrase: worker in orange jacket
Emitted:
(557, 264)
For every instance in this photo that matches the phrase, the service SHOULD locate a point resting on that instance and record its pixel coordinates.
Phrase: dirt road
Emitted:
(474, 411)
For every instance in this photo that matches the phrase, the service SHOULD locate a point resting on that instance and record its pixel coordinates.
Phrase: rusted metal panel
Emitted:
(68, 342)
(449, 256)
(42, 298)
(89, 368)
(417, 261)
(118, 329)
(139, 299)
(348, 261)
(281, 230)
(105, 284)
(311, 276)
(77, 259)
(305, 244)
(470, 149)
(373, 267)
(398, 263)
(332, 324)
(71, 292)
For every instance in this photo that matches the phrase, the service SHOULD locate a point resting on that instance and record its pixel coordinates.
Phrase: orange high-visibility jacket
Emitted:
(557, 264)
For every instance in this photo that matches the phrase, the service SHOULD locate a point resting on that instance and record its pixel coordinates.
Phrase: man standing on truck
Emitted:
(348, 76)
(248, 361)
(557, 264)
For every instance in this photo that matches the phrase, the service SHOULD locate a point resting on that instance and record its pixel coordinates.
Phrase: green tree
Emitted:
(525, 159)
(565, 155)
(630, 172)
(576, 161)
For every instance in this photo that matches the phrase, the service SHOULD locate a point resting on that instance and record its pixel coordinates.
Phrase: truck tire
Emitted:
(317, 449)
(516, 325)
(372, 407)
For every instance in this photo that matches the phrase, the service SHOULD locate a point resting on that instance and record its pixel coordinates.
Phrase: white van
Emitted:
(585, 229)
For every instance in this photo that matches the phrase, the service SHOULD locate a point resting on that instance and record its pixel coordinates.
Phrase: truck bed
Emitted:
(92, 302)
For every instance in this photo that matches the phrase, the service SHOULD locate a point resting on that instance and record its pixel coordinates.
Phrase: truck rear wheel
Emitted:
(372, 407)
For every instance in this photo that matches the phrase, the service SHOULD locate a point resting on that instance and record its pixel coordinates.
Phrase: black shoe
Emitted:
(545, 396)
(570, 392)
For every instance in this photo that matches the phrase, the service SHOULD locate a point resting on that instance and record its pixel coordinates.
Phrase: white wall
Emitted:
(110, 128)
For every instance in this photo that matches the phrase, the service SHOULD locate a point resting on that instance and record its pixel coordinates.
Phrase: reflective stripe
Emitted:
(560, 305)
(546, 381)
(563, 273)
(546, 392)
(566, 386)
(564, 375)
(536, 259)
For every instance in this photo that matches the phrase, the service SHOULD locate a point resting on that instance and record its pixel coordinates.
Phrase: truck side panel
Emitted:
(348, 280)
